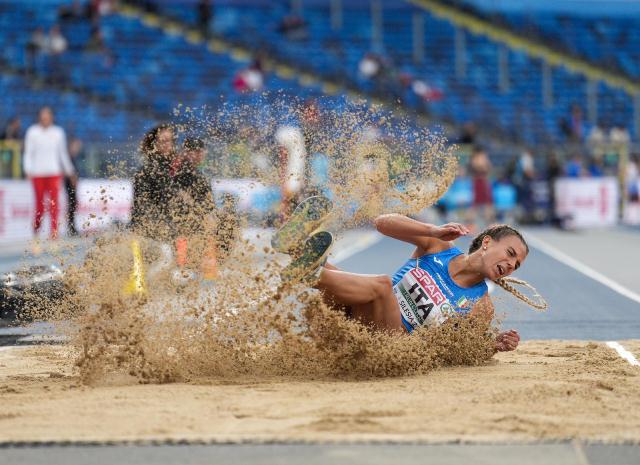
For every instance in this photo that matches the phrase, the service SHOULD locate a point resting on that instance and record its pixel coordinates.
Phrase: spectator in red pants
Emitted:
(46, 160)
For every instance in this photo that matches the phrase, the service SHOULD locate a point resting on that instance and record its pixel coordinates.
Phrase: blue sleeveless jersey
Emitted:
(426, 293)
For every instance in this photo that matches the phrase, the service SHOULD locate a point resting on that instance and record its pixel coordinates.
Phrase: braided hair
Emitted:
(497, 232)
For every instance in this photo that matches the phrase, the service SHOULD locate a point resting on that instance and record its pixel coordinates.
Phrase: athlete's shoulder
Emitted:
(447, 249)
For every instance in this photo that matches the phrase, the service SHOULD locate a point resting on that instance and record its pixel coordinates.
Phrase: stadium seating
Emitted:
(151, 71)
(145, 76)
(518, 112)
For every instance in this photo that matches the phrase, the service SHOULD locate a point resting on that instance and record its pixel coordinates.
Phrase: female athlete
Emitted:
(438, 280)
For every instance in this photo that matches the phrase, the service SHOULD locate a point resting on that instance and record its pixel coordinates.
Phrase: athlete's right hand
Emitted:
(449, 231)
(507, 341)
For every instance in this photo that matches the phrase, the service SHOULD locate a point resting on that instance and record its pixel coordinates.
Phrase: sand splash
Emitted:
(246, 323)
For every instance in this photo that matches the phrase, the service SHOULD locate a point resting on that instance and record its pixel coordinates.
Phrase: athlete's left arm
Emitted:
(483, 311)
(428, 238)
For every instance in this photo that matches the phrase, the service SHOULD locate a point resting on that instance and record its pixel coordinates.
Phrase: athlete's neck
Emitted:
(464, 271)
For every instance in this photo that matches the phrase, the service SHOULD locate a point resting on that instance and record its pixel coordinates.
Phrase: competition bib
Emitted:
(421, 300)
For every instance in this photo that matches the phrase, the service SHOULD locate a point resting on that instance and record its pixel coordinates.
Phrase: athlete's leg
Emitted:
(370, 297)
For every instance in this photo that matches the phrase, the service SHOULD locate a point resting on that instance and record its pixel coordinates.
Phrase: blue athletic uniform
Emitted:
(426, 293)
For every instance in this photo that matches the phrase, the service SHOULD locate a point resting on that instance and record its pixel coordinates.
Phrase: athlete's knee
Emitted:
(383, 286)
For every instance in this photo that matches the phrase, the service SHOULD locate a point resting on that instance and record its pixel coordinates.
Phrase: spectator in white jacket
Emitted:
(46, 160)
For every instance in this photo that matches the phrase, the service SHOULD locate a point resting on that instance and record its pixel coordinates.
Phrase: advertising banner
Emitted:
(101, 203)
(588, 202)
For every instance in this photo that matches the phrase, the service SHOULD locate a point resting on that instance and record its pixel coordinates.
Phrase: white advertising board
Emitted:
(101, 202)
(588, 202)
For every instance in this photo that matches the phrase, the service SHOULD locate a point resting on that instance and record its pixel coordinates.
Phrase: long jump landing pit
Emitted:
(546, 390)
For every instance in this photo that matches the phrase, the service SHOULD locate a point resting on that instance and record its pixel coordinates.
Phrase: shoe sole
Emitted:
(313, 254)
(306, 218)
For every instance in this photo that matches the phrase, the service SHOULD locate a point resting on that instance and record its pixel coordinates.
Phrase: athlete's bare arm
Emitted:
(428, 238)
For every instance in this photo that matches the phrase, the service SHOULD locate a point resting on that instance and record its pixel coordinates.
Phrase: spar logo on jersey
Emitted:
(429, 285)
(420, 299)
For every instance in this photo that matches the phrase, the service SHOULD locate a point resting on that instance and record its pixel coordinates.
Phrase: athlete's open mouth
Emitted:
(500, 270)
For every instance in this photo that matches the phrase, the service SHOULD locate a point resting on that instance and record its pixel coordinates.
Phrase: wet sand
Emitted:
(544, 390)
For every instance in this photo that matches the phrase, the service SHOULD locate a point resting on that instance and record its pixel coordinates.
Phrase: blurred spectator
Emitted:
(13, 130)
(425, 91)
(70, 183)
(152, 184)
(633, 178)
(293, 27)
(553, 172)
(250, 79)
(595, 167)
(573, 127)
(205, 14)
(76, 11)
(96, 44)
(575, 166)
(524, 177)
(193, 195)
(596, 140)
(480, 170)
(312, 125)
(96, 41)
(56, 43)
(45, 161)
(37, 44)
(370, 66)
(619, 135)
(469, 133)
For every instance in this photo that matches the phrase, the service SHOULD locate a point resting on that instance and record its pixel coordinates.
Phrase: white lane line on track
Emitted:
(624, 353)
(586, 270)
(364, 240)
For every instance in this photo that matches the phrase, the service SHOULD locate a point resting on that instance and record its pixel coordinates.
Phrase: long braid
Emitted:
(504, 284)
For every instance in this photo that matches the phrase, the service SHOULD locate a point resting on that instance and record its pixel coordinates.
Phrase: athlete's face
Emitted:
(502, 257)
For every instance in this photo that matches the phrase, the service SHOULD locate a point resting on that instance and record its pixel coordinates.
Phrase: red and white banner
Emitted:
(101, 202)
(588, 202)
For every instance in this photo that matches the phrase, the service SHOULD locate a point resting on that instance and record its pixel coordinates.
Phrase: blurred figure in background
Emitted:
(75, 11)
(632, 178)
(56, 42)
(553, 171)
(250, 79)
(293, 27)
(46, 159)
(150, 214)
(575, 167)
(36, 45)
(596, 140)
(573, 126)
(205, 14)
(70, 185)
(523, 178)
(619, 135)
(468, 134)
(193, 196)
(480, 171)
(13, 130)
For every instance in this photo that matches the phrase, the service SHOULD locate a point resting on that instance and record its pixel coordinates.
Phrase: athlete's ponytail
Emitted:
(497, 232)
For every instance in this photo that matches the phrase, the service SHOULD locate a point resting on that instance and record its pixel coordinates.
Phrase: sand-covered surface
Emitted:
(544, 390)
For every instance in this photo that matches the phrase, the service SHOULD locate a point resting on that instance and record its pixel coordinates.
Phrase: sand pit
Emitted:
(544, 390)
